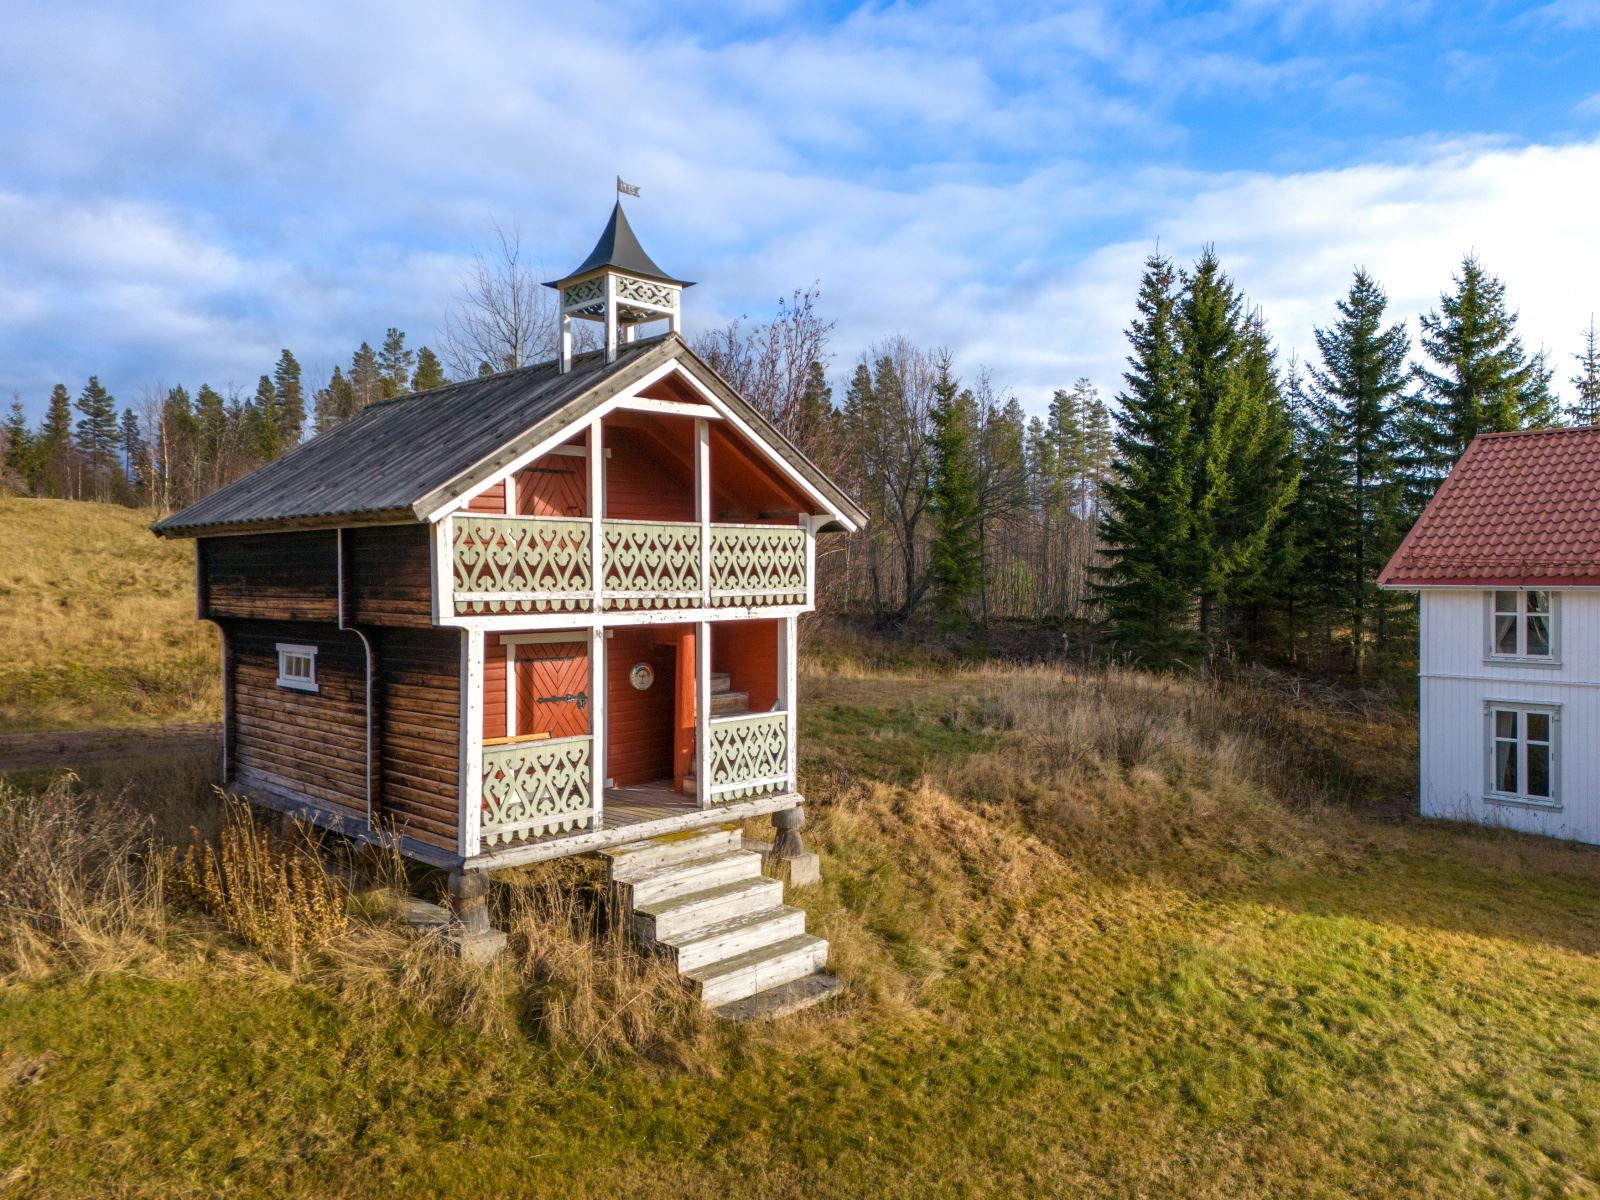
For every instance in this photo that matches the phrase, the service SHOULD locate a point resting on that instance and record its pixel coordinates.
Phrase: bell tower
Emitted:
(618, 285)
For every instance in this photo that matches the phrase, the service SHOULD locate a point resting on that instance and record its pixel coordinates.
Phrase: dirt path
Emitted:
(74, 747)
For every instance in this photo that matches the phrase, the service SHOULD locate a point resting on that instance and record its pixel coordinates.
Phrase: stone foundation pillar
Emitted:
(796, 864)
(471, 935)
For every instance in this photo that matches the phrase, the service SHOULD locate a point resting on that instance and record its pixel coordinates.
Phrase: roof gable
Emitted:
(1517, 509)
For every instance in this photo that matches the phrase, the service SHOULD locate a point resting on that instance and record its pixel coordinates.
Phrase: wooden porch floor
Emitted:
(643, 802)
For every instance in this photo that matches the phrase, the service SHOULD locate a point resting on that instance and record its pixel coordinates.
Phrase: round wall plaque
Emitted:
(642, 675)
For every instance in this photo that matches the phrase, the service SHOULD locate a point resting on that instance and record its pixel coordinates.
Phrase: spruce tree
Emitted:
(1356, 398)
(953, 445)
(1585, 408)
(211, 419)
(16, 447)
(1481, 381)
(56, 456)
(429, 373)
(265, 422)
(395, 364)
(336, 403)
(291, 399)
(98, 435)
(135, 455)
(1147, 527)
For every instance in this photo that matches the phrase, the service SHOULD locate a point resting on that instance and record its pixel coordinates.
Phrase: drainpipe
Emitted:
(367, 683)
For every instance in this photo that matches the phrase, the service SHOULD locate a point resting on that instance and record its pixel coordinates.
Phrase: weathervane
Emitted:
(626, 189)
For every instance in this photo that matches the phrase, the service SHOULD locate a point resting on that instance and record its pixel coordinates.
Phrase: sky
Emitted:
(185, 189)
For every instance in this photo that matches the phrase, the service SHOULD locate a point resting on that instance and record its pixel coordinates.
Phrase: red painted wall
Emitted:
(748, 651)
(644, 482)
(491, 500)
(639, 724)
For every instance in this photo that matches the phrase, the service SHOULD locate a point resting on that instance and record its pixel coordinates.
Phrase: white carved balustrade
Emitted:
(651, 564)
(534, 788)
(542, 565)
(749, 756)
(757, 565)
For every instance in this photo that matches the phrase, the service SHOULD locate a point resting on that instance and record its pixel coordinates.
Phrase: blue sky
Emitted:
(184, 189)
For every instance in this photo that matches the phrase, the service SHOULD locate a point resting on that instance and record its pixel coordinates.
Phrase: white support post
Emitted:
(593, 439)
(511, 687)
(809, 524)
(566, 343)
(702, 714)
(788, 690)
(702, 502)
(597, 723)
(442, 566)
(611, 318)
(471, 741)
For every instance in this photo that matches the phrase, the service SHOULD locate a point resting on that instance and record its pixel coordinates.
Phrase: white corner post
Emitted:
(471, 741)
(566, 342)
(597, 724)
(788, 692)
(702, 714)
(611, 318)
(702, 502)
(594, 452)
(809, 524)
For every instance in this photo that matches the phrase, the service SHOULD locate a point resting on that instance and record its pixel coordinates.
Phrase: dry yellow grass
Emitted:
(97, 618)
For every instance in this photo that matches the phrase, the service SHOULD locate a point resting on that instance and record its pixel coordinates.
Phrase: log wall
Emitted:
(389, 575)
(419, 706)
(273, 576)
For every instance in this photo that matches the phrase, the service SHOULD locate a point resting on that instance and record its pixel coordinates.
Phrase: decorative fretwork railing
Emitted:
(748, 756)
(519, 565)
(651, 565)
(757, 564)
(535, 788)
(543, 565)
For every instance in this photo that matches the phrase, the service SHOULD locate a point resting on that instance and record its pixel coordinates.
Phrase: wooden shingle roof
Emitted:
(398, 460)
(1518, 509)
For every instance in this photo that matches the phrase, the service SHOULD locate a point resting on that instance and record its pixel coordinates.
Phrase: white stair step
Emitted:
(641, 858)
(721, 681)
(771, 1003)
(740, 935)
(680, 879)
(671, 918)
(746, 974)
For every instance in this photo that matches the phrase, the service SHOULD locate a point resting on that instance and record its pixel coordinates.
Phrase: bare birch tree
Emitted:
(504, 316)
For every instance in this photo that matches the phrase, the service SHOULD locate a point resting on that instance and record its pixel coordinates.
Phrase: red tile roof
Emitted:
(1518, 508)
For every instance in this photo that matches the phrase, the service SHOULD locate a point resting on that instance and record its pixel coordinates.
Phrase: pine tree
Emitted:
(956, 561)
(1145, 583)
(366, 381)
(211, 419)
(135, 455)
(1585, 408)
(395, 364)
(291, 399)
(1355, 402)
(98, 435)
(429, 373)
(1481, 380)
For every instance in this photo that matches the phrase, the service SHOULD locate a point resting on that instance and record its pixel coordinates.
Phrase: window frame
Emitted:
(1522, 708)
(1491, 610)
(297, 683)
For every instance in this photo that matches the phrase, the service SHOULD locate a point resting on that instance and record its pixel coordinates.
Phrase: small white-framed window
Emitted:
(297, 667)
(1523, 752)
(1524, 625)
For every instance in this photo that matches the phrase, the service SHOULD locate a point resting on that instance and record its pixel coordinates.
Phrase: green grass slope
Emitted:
(97, 618)
(1104, 934)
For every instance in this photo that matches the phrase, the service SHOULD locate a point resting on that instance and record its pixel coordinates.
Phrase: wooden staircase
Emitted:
(725, 702)
(700, 899)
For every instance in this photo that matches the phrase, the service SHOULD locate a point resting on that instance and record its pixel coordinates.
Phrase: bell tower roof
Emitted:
(618, 249)
(618, 286)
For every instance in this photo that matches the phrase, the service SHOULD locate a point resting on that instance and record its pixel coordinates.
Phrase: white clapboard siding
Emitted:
(1457, 680)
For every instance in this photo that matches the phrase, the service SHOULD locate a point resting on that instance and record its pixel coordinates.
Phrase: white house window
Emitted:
(1522, 625)
(1523, 753)
(297, 667)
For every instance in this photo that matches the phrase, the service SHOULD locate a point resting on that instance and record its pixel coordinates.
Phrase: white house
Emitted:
(1506, 558)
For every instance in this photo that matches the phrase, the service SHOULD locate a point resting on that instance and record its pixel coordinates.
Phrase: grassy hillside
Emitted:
(1104, 934)
(97, 617)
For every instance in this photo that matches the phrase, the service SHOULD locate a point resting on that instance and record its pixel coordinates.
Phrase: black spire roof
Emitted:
(619, 248)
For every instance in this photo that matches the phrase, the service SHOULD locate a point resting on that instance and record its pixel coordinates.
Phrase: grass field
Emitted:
(97, 618)
(1104, 934)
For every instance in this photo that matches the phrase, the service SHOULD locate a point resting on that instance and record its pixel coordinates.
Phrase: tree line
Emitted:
(1227, 503)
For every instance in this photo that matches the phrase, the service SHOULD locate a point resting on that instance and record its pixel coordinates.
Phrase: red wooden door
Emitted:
(552, 682)
(554, 486)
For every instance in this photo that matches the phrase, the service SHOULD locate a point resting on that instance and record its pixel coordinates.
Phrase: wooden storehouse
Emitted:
(547, 612)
